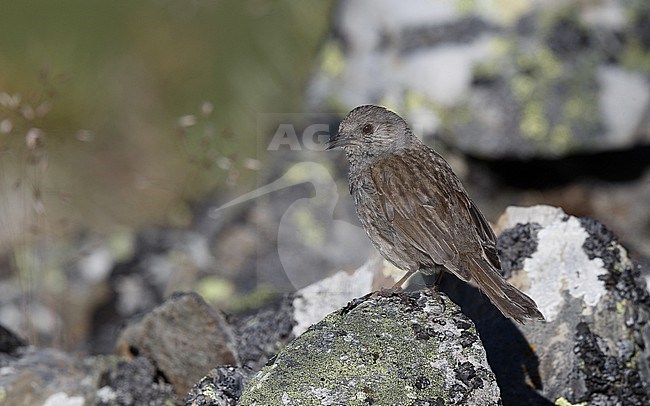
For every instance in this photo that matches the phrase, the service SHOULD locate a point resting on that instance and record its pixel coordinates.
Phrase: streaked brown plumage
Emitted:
(416, 211)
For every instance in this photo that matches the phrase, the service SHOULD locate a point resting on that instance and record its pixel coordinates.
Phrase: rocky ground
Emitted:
(328, 344)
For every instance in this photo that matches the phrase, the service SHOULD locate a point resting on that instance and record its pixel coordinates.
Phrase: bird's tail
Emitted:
(509, 300)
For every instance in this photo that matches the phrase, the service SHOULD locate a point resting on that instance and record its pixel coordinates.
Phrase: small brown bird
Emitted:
(416, 211)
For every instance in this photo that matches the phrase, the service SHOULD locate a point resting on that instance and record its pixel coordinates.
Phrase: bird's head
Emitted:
(370, 132)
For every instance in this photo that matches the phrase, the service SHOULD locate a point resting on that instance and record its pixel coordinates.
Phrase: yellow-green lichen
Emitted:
(534, 124)
(550, 67)
(523, 87)
(466, 6)
(414, 100)
(208, 391)
(509, 11)
(215, 289)
(264, 293)
(461, 114)
(562, 401)
(575, 108)
(122, 244)
(620, 307)
(486, 71)
(501, 47)
(636, 56)
(560, 138)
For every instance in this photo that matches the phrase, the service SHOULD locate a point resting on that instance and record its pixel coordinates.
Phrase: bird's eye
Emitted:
(367, 129)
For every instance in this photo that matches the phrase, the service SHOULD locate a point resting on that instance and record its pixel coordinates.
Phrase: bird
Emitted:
(416, 211)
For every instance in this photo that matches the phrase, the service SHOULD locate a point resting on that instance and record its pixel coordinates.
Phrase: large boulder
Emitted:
(536, 79)
(595, 343)
(407, 349)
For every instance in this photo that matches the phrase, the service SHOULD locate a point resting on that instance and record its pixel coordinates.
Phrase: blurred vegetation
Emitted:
(118, 113)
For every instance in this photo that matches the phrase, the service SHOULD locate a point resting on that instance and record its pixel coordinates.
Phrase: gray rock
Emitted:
(51, 377)
(406, 349)
(223, 386)
(34, 375)
(544, 79)
(259, 337)
(262, 334)
(184, 338)
(595, 342)
(133, 382)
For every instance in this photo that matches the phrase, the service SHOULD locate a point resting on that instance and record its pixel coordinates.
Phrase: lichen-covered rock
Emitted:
(536, 79)
(595, 343)
(221, 387)
(407, 349)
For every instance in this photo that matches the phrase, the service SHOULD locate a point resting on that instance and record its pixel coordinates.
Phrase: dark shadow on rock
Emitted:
(509, 354)
(538, 173)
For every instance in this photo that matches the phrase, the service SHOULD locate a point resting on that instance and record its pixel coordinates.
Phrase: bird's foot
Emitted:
(383, 292)
(388, 292)
(407, 297)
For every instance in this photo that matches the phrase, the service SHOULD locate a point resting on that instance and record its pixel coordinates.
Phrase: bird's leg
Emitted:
(435, 289)
(396, 289)
(407, 275)
(436, 284)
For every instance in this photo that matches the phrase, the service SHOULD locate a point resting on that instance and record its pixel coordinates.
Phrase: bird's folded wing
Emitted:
(439, 221)
(421, 216)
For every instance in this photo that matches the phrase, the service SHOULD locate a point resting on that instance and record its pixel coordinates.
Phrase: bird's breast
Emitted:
(367, 201)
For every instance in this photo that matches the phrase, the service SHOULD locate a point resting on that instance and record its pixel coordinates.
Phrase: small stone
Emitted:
(184, 337)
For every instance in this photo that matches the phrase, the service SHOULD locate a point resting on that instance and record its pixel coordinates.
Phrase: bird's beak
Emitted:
(337, 140)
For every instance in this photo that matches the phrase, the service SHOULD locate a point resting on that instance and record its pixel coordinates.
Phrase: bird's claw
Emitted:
(387, 292)
(435, 293)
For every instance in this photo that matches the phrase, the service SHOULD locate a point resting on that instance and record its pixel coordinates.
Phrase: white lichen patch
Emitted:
(560, 263)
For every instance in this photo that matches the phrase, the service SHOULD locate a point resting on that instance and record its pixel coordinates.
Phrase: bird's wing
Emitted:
(438, 220)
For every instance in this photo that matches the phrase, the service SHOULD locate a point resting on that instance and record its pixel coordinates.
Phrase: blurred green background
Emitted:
(120, 113)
